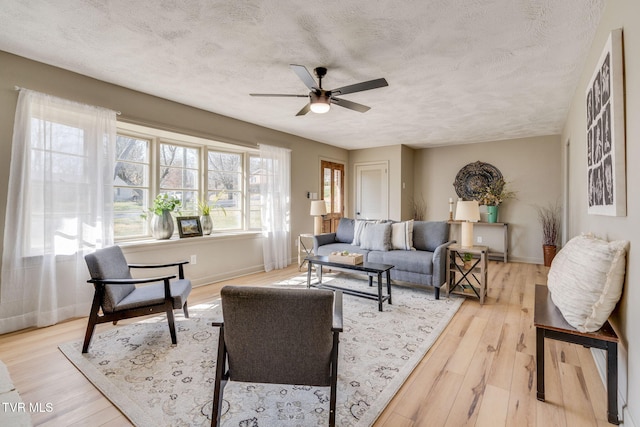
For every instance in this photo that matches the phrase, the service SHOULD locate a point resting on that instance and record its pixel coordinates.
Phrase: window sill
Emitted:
(175, 240)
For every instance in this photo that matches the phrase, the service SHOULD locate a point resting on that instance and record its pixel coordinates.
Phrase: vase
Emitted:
(207, 224)
(492, 212)
(162, 225)
(549, 252)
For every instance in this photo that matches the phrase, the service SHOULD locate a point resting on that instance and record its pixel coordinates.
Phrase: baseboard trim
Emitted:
(227, 275)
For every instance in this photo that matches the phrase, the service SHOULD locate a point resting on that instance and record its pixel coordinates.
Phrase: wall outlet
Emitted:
(194, 259)
(479, 238)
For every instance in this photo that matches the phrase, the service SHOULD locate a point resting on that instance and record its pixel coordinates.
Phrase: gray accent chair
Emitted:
(119, 298)
(278, 336)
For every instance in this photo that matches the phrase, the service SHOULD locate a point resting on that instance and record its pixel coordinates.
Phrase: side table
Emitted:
(469, 280)
(305, 248)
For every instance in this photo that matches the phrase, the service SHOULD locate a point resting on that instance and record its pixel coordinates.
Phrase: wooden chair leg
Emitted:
(172, 325)
(220, 380)
(334, 380)
(91, 324)
(186, 310)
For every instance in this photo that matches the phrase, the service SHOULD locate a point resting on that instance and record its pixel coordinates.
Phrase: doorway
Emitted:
(332, 192)
(372, 190)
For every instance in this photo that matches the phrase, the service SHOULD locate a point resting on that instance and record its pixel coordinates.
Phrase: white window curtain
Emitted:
(275, 195)
(59, 207)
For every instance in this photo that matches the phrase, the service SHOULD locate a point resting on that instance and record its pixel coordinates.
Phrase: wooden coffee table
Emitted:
(369, 268)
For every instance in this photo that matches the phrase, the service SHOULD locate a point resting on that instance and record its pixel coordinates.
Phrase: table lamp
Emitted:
(468, 212)
(318, 208)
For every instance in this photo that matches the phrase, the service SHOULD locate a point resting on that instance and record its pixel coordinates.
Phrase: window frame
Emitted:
(156, 137)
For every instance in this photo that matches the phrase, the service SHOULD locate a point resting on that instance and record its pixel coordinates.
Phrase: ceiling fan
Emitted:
(320, 100)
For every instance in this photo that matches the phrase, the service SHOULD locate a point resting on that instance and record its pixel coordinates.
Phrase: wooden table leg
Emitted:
(389, 285)
(379, 291)
(540, 362)
(612, 383)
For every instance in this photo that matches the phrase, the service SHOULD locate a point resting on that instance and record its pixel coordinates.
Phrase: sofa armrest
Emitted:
(323, 239)
(440, 264)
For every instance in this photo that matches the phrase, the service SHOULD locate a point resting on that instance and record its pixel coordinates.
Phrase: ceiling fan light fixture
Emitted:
(319, 103)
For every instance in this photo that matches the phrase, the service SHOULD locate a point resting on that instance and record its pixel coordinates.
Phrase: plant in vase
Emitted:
(466, 258)
(205, 207)
(161, 219)
(549, 218)
(493, 196)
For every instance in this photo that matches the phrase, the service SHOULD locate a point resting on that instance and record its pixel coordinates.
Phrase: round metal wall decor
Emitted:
(473, 178)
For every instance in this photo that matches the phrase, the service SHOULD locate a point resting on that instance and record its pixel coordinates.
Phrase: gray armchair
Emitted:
(119, 298)
(280, 336)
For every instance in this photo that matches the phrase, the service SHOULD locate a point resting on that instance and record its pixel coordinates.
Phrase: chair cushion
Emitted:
(585, 280)
(153, 293)
(110, 263)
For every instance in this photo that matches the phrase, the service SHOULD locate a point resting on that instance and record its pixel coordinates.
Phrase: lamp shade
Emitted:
(318, 207)
(468, 211)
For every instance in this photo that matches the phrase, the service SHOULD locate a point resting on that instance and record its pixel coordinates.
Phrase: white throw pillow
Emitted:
(402, 236)
(585, 280)
(358, 227)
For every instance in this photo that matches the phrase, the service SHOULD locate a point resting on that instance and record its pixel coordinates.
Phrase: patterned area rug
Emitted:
(154, 383)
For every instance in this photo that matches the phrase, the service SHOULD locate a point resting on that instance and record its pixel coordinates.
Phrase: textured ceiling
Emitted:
(458, 70)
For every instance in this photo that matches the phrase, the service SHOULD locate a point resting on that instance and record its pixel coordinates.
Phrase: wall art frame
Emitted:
(606, 158)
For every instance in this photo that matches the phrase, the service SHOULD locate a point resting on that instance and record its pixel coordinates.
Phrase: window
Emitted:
(192, 169)
(131, 187)
(179, 167)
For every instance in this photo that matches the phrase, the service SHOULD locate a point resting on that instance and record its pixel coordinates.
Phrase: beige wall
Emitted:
(219, 257)
(531, 166)
(623, 14)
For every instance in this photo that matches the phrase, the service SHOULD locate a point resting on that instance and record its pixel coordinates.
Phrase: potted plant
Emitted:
(466, 258)
(205, 207)
(161, 219)
(494, 194)
(549, 218)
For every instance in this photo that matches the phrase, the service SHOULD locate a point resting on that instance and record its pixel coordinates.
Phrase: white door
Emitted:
(372, 190)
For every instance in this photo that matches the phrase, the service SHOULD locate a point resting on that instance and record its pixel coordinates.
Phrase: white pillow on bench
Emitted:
(585, 280)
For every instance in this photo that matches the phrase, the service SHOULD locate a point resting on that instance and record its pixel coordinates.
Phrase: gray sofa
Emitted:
(423, 266)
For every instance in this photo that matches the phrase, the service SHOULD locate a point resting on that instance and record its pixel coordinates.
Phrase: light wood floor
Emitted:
(480, 372)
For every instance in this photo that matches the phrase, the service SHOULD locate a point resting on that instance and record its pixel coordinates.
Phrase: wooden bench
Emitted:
(550, 323)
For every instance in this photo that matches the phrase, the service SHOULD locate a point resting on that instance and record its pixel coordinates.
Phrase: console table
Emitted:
(495, 255)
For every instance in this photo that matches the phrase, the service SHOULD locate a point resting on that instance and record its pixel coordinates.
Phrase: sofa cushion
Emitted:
(344, 233)
(376, 237)
(428, 235)
(414, 261)
(585, 280)
(402, 236)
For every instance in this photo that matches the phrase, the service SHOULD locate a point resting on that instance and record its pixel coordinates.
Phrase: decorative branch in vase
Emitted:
(549, 218)
(494, 195)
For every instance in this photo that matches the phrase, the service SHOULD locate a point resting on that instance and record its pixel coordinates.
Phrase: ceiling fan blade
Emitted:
(350, 105)
(279, 95)
(304, 110)
(359, 87)
(305, 76)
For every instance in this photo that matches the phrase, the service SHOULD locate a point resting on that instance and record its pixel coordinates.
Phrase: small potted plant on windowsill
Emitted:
(161, 219)
(205, 206)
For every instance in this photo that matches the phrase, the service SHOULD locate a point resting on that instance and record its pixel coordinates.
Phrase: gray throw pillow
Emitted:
(376, 237)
